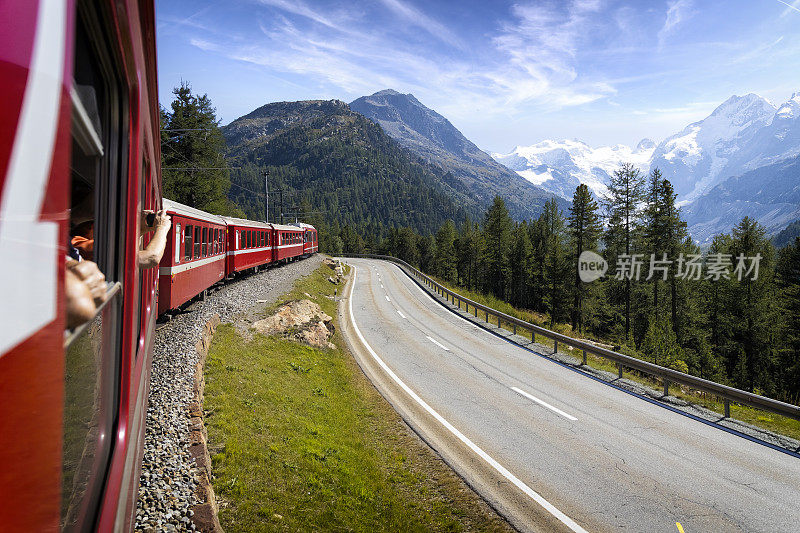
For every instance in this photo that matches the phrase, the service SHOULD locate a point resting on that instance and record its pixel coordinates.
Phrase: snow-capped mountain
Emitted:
(705, 153)
(710, 163)
(560, 166)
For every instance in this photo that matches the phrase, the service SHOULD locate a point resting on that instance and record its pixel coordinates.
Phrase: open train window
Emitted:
(187, 242)
(205, 242)
(197, 241)
(97, 217)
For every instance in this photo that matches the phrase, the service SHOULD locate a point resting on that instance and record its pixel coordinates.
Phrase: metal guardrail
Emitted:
(668, 375)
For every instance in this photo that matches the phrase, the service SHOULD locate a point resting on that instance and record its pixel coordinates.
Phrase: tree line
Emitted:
(689, 313)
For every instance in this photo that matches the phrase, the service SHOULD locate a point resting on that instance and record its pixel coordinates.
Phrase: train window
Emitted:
(178, 236)
(205, 242)
(97, 232)
(216, 241)
(187, 242)
(198, 242)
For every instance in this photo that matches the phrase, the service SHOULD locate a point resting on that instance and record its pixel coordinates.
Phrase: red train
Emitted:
(203, 249)
(80, 145)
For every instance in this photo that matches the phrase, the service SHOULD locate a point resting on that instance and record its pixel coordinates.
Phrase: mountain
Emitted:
(334, 161)
(706, 152)
(560, 166)
(769, 194)
(787, 235)
(431, 136)
(711, 164)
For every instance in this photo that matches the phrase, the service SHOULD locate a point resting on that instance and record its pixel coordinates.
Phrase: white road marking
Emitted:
(381, 285)
(503, 471)
(387, 299)
(543, 403)
(399, 312)
(437, 343)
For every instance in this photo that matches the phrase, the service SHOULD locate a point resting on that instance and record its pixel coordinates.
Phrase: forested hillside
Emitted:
(336, 167)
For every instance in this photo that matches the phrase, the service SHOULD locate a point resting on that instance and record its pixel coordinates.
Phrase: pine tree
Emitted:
(194, 170)
(789, 347)
(497, 234)
(625, 193)
(555, 266)
(520, 262)
(585, 230)
(752, 307)
(446, 258)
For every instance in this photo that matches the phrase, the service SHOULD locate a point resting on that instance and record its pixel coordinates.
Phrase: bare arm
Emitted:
(151, 255)
(85, 290)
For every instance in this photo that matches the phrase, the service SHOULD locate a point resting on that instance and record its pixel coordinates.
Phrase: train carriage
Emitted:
(194, 258)
(249, 244)
(288, 242)
(309, 238)
(79, 149)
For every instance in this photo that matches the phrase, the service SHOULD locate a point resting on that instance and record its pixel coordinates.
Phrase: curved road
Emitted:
(550, 448)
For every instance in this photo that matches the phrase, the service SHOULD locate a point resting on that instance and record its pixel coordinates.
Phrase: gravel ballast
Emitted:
(167, 482)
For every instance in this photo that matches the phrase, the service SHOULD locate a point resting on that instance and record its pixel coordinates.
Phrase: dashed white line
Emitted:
(503, 471)
(437, 343)
(543, 403)
(381, 285)
(387, 299)
(399, 312)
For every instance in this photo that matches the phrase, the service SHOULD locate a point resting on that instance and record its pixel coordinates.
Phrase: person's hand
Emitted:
(90, 275)
(163, 220)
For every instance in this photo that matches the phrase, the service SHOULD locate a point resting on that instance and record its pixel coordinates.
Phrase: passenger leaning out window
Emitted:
(159, 223)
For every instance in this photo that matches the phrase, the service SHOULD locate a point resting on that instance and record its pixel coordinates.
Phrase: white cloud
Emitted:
(789, 7)
(677, 12)
(419, 19)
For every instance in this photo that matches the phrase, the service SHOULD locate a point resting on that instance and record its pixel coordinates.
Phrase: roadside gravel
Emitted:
(167, 482)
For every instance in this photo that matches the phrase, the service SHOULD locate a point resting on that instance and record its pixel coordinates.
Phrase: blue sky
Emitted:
(504, 73)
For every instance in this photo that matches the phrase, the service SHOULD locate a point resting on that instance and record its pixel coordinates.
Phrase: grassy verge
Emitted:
(756, 417)
(301, 441)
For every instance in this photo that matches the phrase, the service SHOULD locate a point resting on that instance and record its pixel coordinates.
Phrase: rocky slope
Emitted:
(431, 136)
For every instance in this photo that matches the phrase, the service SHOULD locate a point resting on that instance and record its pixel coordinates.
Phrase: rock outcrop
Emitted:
(301, 320)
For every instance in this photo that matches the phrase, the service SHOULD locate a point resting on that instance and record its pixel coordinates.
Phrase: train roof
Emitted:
(285, 227)
(233, 221)
(181, 209)
(303, 225)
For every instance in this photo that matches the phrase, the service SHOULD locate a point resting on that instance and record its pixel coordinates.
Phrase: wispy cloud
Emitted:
(677, 12)
(541, 44)
(533, 56)
(419, 19)
(790, 7)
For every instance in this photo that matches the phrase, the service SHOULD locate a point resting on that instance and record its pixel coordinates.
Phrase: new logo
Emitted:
(591, 266)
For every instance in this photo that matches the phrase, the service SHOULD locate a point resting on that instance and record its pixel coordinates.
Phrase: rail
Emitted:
(667, 375)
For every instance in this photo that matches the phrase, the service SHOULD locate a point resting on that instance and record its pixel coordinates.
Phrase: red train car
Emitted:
(249, 244)
(79, 147)
(309, 238)
(288, 242)
(194, 258)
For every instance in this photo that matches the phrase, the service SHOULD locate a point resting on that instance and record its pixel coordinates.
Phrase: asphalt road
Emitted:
(551, 449)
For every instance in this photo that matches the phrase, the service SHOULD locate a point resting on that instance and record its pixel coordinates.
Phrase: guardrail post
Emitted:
(555, 347)
(666, 388)
(533, 337)
(619, 370)
(487, 317)
(584, 357)
(727, 408)
(515, 328)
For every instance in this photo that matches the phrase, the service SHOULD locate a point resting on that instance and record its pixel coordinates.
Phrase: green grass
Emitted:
(301, 441)
(762, 419)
